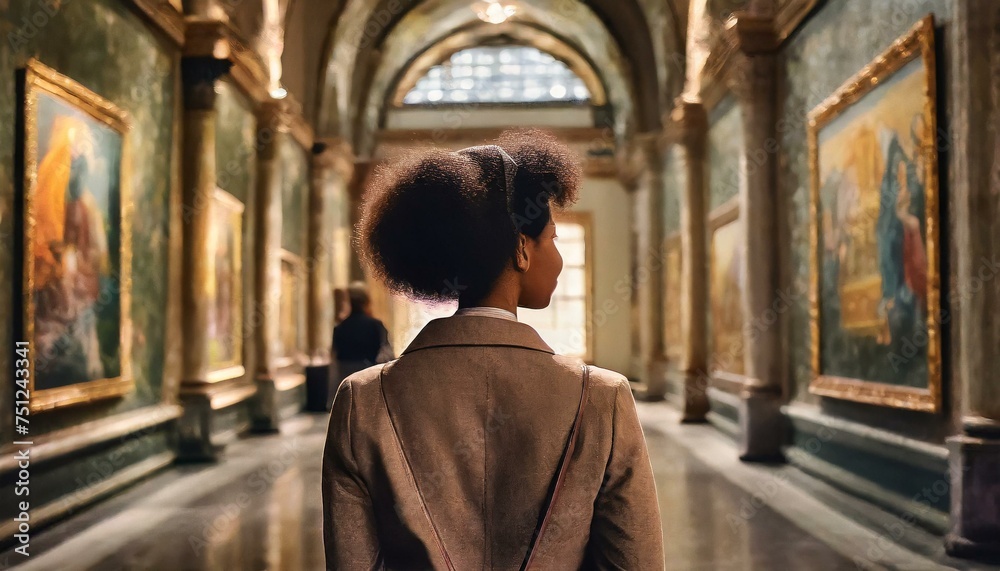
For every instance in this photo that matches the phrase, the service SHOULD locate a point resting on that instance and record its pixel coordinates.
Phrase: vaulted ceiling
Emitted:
(368, 45)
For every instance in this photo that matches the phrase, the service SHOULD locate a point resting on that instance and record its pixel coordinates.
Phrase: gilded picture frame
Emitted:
(911, 59)
(226, 288)
(673, 325)
(291, 312)
(725, 327)
(75, 241)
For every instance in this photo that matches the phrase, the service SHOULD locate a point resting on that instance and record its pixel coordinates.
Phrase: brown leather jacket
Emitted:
(483, 408)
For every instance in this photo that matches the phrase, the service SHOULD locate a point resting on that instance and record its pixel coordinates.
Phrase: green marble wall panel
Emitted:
(674, 183)
(235, 142)
(294, 196)
(107, 47)
(725, 146)
(818, 62)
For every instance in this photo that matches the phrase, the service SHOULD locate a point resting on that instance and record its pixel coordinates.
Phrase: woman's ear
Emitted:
(521, 259)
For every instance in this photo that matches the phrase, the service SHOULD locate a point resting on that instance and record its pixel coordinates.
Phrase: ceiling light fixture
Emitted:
(495, 13)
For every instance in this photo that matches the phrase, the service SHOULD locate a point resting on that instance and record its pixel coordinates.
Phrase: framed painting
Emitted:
(224, 288)
(725, 271)
(673, 334)
(75, 241)
(875, 292)
(291, 317)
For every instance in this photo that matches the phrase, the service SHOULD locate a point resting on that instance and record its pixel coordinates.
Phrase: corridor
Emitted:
(776, 219)
(260, 510)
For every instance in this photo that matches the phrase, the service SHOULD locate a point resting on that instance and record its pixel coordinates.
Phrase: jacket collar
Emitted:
(474, 330)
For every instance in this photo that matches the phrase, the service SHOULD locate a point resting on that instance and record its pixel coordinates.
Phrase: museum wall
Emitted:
(112, 51)
(725, 146)
(901, 451)
(725, 250)
(141, 81)
(606, 202)
(674, 183)
(236, 173)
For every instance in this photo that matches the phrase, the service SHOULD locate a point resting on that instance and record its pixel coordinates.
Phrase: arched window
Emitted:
(498, 74)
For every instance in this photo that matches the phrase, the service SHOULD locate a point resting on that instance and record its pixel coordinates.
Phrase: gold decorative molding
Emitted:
(165, 15)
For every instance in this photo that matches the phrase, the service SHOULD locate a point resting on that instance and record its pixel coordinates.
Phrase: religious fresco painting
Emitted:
(725, 292)
(225, 284)
(673, 334)
(76, 242)
(291, 333)
(874, 208)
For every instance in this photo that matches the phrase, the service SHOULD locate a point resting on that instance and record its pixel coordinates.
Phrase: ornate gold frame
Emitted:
(918, 42)
(725, 214)
(674, 354)
(297, 355)
(586, 221)
(233, 368)
(39, 78)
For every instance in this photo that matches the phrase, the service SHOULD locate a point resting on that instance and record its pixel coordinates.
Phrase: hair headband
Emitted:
(507, 163)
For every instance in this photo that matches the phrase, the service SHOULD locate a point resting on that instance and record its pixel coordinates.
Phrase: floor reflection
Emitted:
(260, 509)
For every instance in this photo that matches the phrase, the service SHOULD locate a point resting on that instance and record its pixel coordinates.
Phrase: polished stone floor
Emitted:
(260, 509)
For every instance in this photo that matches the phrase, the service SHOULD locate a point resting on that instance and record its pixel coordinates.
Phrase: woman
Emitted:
(450, 457)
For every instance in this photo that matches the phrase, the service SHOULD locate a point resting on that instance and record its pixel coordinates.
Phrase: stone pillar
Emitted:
(355, 193)
(754, 81)
(975, 192)
(331, 164)
(649, 273)
(272, 128)
(691, 125)
(628, 177)
(199, 75)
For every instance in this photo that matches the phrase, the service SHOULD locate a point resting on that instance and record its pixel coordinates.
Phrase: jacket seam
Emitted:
(614, 427)
(509, 345)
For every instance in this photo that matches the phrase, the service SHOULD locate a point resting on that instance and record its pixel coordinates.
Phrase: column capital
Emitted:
(752, 34)
(199, 75)
(334, 153)
(689, 121)
(763, 26)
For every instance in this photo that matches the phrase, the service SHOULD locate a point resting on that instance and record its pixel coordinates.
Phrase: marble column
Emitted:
(199, 75)
(628, 176)
(754, 81)
(690, 123)
(272, 128)
(331, 165)
(355, 194)
(975, 200)
(649, 273)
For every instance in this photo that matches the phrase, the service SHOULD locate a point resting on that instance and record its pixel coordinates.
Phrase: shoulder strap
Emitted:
(413, 481)
(559, 478)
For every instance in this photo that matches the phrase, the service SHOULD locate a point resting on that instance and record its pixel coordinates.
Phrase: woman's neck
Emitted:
(500, 300)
